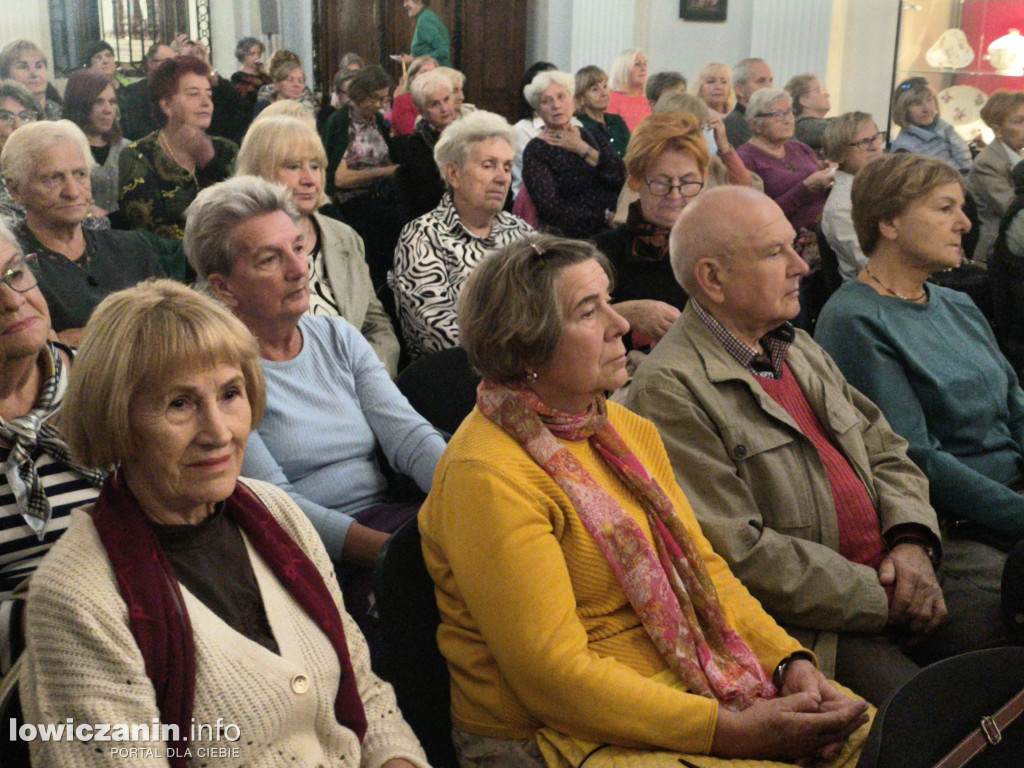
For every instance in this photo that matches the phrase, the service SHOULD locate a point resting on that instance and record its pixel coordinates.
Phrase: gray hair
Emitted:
(618, 73)
(835, 141)
(457, 138)
(7, 234)
(212, 217)
(424, 86)
(457, 77)
(10, 89)
(660, 82)
(762, 100)
(798, 87)
(31, 141)
(242, 49)
(741, 72)
(543, 80)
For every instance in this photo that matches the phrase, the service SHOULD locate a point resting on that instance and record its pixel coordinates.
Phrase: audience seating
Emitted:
(441, 387)
(410, 659)
(941, 705)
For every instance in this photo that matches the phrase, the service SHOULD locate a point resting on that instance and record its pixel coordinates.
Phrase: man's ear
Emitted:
(12, 190)
(709, 274)
(221, 288)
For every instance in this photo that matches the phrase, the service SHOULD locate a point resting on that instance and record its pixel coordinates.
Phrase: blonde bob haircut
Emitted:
(33, 141)
(658, 133)
(273, 141)
(135, 340)
(510, 318)
(712, 69)
(914, 90)
(885, 188)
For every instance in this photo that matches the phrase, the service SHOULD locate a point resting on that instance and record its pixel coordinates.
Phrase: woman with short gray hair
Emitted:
(422, 187)
(331, 406)
(438, 251)
(573, 175)
(793, 175)
(76, 267)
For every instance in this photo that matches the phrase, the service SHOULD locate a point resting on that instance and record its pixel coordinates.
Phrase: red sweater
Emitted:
(860, 534)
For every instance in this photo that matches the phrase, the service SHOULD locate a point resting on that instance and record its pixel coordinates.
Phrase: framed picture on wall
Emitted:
(703, 10)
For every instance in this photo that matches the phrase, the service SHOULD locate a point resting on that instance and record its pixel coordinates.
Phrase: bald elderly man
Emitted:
(796, 478)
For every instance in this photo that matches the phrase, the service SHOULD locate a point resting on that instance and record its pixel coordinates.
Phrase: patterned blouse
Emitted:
(155, 190)
(435, 255)
(321, 297)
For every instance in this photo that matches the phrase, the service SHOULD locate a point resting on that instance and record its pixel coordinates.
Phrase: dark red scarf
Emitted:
(650, 241)
(156, 608)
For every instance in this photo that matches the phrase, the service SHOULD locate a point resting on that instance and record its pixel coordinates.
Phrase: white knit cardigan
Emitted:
(82, 662)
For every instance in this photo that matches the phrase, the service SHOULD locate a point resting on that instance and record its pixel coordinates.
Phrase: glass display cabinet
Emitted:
(965, 49)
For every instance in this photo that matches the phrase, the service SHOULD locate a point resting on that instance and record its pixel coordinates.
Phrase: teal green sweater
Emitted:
(937, 374)
(614, 128)
(431, 38)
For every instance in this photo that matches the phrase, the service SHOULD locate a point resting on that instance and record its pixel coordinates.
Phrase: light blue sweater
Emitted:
(937, 374)
(327, 410)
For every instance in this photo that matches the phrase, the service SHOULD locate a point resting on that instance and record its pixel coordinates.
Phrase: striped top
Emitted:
(21, 548)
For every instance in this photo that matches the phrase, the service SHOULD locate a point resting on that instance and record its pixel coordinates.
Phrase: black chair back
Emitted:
(441, 387)
(409, 658)
(926, 718)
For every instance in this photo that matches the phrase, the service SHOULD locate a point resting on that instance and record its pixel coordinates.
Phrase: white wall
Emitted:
(26, 20)
(860, 66)
(549, 32)
(685, 46)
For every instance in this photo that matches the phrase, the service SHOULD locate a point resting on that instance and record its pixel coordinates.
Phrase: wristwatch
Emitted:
(779, 675)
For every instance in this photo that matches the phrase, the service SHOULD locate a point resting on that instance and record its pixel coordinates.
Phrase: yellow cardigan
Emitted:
(536, 630)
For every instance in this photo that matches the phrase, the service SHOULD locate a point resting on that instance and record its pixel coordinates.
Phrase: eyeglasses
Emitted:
(871, 141)
(18, 277)
(8, 118)
(660, 188)
(779, 115)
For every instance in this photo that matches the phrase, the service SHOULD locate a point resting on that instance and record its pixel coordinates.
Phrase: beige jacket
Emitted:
(757, 484)
(349, 276)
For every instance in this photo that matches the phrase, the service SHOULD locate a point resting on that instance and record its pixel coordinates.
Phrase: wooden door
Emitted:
(488, 42)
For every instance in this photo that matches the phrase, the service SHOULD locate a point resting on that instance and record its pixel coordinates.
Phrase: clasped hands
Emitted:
(809, 719)
(917, 600)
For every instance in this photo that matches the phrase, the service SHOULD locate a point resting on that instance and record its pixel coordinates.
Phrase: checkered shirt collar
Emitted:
(776, 342)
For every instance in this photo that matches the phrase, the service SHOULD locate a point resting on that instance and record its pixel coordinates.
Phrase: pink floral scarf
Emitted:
(667, 583)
